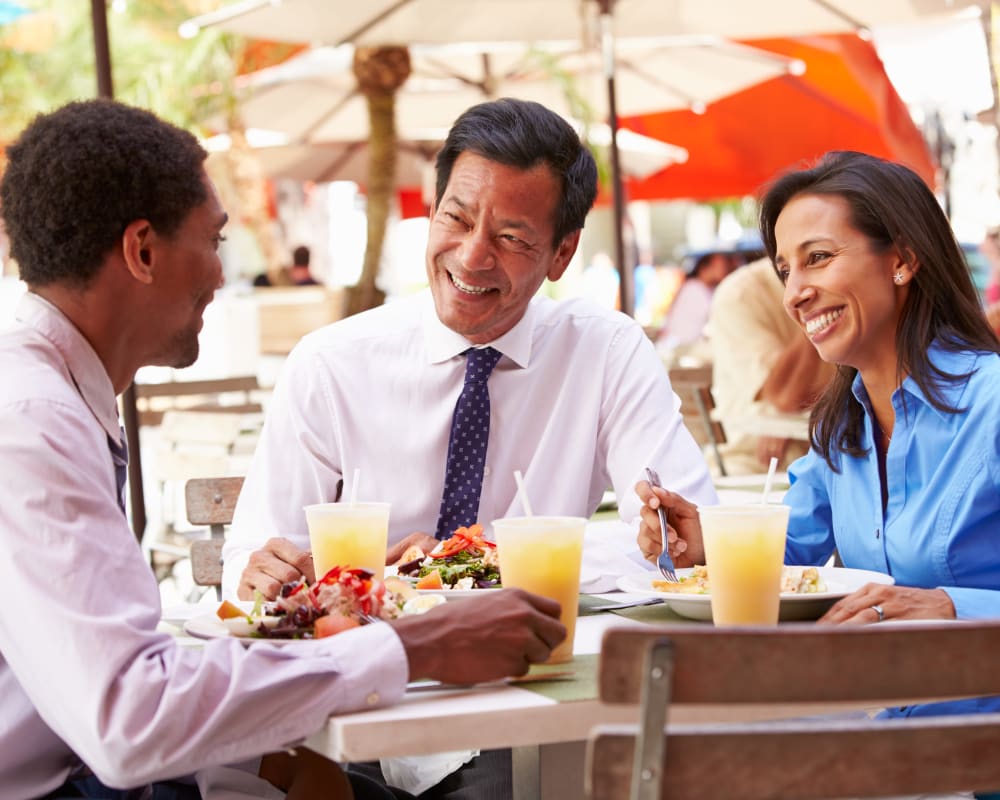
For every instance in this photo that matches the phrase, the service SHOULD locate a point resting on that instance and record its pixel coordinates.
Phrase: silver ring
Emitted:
(878, 610)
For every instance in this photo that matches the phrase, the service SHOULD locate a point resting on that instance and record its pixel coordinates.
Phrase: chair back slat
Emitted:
(808, 760)
(802, 662)
(210, 501)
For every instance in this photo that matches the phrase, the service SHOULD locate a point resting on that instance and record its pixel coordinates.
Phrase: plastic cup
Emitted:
(744, 552)
(542, 555)
(348, 535)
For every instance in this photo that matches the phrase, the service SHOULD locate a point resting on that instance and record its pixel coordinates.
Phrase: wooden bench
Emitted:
(286, 314)
(227, 395)
(210, 501)
(787, 672)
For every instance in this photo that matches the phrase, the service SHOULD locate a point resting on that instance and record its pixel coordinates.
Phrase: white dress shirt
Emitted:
(84, 675)
(580, 403)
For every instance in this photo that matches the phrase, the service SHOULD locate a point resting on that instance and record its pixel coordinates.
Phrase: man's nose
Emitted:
(477, 250)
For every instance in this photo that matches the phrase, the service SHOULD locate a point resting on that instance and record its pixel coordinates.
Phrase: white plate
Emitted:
(839, 582)
(455, 594)
(209, 626)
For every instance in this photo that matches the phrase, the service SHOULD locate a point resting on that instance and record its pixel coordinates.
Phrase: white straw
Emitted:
(354, 487)
(769, 479)
(523, 494)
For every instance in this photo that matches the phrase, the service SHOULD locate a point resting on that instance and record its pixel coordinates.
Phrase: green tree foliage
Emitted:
(47, 59)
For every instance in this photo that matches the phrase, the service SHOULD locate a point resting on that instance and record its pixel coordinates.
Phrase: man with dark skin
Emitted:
(115, 228)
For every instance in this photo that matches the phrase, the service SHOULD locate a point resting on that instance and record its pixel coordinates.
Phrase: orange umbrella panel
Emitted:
(843, 101)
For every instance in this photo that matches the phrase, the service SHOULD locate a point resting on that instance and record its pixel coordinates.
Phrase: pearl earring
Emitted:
(898, 278)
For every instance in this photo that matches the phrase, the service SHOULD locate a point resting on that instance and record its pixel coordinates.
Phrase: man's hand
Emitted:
(683, 526)
(421, 540)
(278, 562)
(896, 602)
(497, 634)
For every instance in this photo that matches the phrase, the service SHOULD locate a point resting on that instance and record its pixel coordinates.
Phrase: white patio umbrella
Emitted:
(437, 21)
(330, 161)
(313, 98)
(408, 22)
(312, 101)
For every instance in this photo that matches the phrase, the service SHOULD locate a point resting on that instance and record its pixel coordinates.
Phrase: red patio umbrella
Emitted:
(843, 101)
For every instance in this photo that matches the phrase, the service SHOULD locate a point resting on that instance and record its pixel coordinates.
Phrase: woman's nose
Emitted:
(797, 291)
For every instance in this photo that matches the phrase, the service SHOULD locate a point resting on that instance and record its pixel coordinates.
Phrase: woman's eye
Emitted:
(783, 274)
(816, 258)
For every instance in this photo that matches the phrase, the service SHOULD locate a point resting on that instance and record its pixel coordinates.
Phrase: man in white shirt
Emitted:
(115, 227)
(579, 399)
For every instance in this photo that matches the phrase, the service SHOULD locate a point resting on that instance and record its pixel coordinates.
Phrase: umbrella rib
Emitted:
(334, 168)
(322, 119)
(841, 14)
(371, 23)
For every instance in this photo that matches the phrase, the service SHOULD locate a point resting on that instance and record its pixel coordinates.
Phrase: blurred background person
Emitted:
(761, 364)
(301, 276)
(690, 310)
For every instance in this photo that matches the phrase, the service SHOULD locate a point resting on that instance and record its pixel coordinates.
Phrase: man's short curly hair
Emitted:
(77, 177)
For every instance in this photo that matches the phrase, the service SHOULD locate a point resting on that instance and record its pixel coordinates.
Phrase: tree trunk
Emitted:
(380, 71)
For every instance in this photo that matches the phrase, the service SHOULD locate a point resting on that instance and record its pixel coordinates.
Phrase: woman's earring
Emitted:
(898, 278)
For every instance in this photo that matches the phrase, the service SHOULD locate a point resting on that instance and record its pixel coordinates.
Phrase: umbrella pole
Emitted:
(626, 293)
(130, 417)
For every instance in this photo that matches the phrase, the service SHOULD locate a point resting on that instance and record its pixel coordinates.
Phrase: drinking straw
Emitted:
(522, 493)
(769, 479)
(354, 486)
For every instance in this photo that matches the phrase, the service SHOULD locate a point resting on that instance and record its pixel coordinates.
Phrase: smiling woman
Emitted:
(903, 477)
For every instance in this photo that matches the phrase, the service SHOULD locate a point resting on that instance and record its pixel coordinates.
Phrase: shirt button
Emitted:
(373, 699)
(486, 471)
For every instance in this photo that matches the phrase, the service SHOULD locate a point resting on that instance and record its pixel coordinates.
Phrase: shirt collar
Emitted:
(85, 367)
(949, 361)
(444, 344)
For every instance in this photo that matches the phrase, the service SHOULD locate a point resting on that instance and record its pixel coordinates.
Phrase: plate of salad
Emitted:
(462, 565)
(342, 599)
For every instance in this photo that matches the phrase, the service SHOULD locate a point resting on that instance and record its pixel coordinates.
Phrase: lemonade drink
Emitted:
(348, 535)
(744, 552)
(542, 555)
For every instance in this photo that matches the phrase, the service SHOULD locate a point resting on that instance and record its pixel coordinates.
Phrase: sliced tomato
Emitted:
(332, 624)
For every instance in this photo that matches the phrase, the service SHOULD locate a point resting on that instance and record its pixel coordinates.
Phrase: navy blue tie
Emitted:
(470, 433)
(119, 455)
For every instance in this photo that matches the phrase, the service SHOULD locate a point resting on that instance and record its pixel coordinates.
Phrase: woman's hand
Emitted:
(895, 602)
(683, 526)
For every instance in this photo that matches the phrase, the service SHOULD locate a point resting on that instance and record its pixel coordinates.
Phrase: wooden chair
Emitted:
(210, 501)
(701, 673)
(693, 385)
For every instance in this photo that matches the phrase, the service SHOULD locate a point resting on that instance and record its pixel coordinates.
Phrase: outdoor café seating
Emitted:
(797, 673)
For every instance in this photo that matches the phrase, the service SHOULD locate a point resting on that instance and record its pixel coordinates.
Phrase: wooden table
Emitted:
(547, 736)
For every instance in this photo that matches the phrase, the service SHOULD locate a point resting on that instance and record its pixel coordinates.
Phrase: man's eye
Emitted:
(218, 239)
(513, 242)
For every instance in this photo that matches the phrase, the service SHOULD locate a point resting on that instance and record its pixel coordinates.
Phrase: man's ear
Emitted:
(564, 254)
(137, 250)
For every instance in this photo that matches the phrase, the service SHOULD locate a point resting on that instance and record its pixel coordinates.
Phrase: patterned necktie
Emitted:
(119, 455)
(470, 432)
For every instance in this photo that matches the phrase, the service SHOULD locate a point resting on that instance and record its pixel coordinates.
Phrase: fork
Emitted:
(663, 561)
(370, 618)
